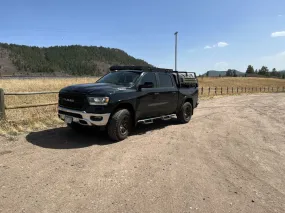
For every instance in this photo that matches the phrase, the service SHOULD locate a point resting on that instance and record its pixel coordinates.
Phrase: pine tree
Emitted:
(229, 73)
(249, 70)
(264, 71)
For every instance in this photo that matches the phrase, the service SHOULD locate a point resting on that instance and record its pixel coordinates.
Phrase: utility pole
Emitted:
(175, 50)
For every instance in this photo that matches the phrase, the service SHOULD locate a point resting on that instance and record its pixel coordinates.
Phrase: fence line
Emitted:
(238, 90)
(202, 91)
(3, 107)
(30, 106)
(30, 93)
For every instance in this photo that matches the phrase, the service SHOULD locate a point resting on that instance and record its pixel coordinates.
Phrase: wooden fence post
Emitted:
(209, 90)
(215, 90)
(232, 90)
(260, 89)
(227, 90)
(2, 105)
(237, 89)
(221, 90)
(283, 89)
(202, 91)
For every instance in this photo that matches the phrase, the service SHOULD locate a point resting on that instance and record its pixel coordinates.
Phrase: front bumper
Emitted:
(83, 118)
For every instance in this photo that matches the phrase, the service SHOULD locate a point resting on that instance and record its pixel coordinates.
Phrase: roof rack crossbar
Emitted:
(142, 68)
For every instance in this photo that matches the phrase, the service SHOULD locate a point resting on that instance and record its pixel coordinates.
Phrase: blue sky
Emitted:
(213, 34)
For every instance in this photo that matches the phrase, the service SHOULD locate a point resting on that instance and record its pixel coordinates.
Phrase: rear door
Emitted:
(148, 98)
(168, 94)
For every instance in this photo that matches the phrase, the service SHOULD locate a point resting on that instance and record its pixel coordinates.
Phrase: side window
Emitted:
(149, 77)
(165, 80)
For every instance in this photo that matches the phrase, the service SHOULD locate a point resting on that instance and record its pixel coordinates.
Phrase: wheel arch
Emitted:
(128, 106)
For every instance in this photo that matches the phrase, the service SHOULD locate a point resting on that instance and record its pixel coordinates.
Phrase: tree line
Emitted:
(71, 60)
(265, 72)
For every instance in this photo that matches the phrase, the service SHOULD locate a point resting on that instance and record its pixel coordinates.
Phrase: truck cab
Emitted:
(129, 95)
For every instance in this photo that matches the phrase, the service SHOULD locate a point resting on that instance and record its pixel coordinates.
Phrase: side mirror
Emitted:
(146, 85)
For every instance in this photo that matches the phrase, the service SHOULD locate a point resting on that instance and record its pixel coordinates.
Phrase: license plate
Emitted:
(68, 119)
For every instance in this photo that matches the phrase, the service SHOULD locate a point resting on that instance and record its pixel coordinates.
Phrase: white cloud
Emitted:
(219, 44)
(221, 66)
(278, 34)
(207, 47)
(280, 15)
(222, 44)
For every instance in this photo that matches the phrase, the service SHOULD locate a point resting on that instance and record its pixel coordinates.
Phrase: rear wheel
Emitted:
(120, 125)
(185, 113)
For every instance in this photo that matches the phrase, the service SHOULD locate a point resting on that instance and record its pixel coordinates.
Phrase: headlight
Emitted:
(98, 100)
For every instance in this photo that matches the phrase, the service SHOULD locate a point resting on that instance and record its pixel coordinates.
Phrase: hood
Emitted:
(93, 88)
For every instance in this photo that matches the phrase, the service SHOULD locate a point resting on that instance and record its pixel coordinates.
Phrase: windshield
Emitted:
(124, 78)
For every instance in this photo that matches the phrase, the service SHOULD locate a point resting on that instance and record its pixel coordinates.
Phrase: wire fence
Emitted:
(209, 91)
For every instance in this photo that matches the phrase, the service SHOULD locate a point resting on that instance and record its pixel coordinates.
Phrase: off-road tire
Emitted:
(185, 113)
(117, 128)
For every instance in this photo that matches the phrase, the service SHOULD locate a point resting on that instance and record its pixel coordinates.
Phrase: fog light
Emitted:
(83, 122)
(96, 118)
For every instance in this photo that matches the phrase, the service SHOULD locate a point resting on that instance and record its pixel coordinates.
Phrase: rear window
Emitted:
(165, 80)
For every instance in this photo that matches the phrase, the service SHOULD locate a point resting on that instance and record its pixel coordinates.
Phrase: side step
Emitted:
(150, 120)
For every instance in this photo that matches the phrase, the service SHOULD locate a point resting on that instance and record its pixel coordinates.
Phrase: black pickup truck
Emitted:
(128, 95)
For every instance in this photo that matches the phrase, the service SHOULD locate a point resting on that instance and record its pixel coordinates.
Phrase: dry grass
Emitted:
(241, 82)
(45, 84)
(36, 118)
(234, 86)
(22, 120)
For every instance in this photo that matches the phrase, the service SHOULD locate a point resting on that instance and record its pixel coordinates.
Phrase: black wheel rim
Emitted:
(187, 112)
(124, 127)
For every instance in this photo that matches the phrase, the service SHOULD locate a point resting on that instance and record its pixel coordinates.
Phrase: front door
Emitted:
(148, 100)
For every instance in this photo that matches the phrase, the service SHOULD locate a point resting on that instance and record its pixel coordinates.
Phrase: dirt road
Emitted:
(229, 158)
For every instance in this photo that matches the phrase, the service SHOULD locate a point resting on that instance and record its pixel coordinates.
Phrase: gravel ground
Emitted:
(229, 158)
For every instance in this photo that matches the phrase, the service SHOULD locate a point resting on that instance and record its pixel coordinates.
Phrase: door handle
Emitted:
(156, 93)
(174, 92)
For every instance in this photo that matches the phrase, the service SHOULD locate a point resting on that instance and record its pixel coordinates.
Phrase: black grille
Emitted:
(71, 101)
(70, 114)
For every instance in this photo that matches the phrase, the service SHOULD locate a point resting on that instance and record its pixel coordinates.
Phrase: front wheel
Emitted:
(120, 125)
(185, 113)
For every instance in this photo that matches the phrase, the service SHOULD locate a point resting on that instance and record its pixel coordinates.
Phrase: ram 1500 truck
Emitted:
(129, 95)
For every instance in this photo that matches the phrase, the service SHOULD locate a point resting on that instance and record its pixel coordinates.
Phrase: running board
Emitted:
(150, 120)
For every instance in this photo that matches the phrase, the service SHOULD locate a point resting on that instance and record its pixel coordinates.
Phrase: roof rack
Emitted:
(141, 68)
(187, 74)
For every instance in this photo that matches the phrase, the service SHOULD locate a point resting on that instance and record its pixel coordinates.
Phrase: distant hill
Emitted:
(215, 73)
(61, 60)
